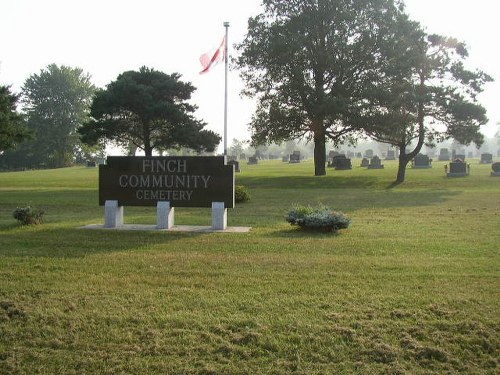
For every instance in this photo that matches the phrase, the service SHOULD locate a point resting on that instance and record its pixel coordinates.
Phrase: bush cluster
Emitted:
(28, 215)
(319, 217)
(241, 194)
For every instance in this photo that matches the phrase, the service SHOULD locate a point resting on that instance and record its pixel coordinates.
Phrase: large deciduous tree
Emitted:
(147, 109)
(13, 130)
(309, 64)
(426, 94)
(56, 102)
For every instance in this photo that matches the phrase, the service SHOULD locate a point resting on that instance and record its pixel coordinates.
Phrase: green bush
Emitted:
(241, 194)
(320, 217)
(28, 215)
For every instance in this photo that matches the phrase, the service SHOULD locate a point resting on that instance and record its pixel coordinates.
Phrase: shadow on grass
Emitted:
(44, 241)
(296, 232)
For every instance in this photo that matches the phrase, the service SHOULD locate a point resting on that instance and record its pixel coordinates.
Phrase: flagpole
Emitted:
(226, 25)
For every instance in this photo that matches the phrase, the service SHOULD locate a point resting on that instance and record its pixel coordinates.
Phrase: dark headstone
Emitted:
(459, 156)
(375, 163)
(496, 170)
(285, 158)
(421, 161)
(458, 168)
(444, 155)
(391, 155)
(252, 160)
(365, 162)
(295, 157)
(91, 164)
(236, 164)
(486, 158)
(342, 163)
(243, 157)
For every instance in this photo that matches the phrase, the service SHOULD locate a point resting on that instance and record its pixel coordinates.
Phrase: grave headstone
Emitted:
(458, 168)
(332, 154)
(243, 157)
(444, 155)
(236, 164)
(253, 160)
(91, 164)
(285, 158)
(342, 163)
(375, 163)
(369, 153)
(359, 155)
(333, 161)
(365, 162)
(391, 155)
(486, 158)
(496, 170)
(421, 161)
(459, 156)
(295, 157)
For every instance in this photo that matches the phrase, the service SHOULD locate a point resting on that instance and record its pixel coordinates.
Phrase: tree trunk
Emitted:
(319, 152)
(148, 151)
(403, 161)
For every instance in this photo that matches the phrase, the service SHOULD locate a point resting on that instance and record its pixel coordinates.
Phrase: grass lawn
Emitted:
(412, 287)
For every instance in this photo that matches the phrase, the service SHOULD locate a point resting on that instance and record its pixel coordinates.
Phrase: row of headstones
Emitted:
(444, 155)
(459, 168)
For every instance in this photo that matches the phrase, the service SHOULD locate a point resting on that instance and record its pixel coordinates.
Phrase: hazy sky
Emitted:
(108, 37)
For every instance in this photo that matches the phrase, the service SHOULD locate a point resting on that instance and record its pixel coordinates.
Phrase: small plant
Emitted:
(241, 194)
(320, 217)
(28, 215)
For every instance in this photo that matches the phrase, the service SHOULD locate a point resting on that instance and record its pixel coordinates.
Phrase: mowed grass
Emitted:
(412, 287)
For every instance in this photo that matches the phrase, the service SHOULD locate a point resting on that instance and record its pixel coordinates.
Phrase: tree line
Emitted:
(66, 119)
(319, 70)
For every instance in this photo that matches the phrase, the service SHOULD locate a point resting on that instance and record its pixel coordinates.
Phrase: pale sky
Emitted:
(108, 37)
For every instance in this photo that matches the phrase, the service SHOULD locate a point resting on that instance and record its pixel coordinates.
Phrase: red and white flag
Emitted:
(210, 59)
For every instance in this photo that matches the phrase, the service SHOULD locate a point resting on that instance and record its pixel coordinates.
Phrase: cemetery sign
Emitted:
(184, 181)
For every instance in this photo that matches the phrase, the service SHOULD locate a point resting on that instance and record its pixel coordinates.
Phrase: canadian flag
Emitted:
(210, 59)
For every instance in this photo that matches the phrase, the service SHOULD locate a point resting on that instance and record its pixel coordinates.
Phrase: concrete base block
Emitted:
(219, 216)
(164, 215)
(113, 214)
(495, 174)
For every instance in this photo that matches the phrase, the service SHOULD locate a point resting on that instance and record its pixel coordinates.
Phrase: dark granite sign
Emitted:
(184, 181)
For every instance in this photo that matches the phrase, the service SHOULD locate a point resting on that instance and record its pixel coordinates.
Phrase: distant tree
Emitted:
(13, 130)
(56, 102)
(426, 95)
(309, 64)
(147, 109)
(236, 147)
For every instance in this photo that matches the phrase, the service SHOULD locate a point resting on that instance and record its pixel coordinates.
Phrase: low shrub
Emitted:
(28, 215)
(241, 194)
(320, 217)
